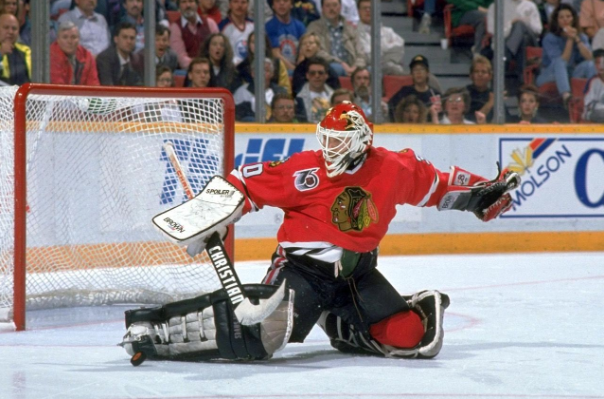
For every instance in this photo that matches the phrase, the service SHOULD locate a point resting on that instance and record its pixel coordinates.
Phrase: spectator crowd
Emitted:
(318, 54)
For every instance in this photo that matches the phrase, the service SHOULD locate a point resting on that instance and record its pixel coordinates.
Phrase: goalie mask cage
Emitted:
(82, 173)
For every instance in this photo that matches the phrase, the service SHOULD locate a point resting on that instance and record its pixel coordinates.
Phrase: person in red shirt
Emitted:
(338, 203)
(70, 62)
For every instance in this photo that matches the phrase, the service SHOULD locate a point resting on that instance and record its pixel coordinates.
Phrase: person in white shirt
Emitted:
(237, 27)
(393, 45)
(350, 12)
(521, 28)
(94, 31)
(313, 100)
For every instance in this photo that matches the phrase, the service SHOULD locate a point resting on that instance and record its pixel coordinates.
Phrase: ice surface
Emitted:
(519, 326)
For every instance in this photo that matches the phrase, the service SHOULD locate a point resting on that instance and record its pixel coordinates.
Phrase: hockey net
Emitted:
(96, 175)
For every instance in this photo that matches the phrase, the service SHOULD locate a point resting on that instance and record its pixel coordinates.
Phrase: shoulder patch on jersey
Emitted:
(277, 163)
(354, 210)
(306, 179)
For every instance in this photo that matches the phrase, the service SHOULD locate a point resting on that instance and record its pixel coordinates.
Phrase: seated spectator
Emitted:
(481, 95)
(313, 100)
(25, 22)
(15, 65)
(156, 110)
(283, 109)
(9, 7)
(188, 34)
(591, 20)
(284, 33)
(341, 95)
(411, 110)
(280, 77)
(593, 109)
(209, 9)
(566, 52)
(218, 50)
(198, 74)
(521, 28)
(528, 106)
(115, 64)
(392, 45)
(361, 84)
(245, 98)
(340, 43)
(310, 44)
(457, 101)
(305, 11)
(164, 56)
(237, 27)
(429, 95)
(164, 77)
(94, 32)
(70, 63)
(134, 14)
(472, 13)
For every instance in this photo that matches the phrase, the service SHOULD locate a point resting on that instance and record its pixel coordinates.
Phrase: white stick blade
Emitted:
(249, 314)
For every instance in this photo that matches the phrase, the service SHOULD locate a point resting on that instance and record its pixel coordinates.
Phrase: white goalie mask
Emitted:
(344, 135)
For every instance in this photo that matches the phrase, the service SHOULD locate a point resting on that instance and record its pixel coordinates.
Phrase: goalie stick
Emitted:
(245, 311)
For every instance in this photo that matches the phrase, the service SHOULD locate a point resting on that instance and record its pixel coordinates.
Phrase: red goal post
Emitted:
(89, 173)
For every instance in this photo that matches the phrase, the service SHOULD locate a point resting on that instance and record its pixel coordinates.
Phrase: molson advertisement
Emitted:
(562, 177)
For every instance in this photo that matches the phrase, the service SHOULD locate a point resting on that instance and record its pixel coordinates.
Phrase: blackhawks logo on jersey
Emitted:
(354, 210)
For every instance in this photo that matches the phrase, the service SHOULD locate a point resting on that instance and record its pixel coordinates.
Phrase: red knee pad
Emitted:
(402, 330)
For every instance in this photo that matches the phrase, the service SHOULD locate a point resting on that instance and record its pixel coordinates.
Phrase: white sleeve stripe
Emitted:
(239, 176)
(432, 190)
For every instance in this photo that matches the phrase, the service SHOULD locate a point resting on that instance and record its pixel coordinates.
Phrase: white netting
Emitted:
(96, 175)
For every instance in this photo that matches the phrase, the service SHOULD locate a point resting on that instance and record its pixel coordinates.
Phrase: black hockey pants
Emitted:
(362, 299)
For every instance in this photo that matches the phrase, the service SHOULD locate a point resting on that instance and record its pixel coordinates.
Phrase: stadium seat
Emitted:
(451, 32)
(393, 83)
(413, 4)
(575, 105)
(346, 83)
(179, 80)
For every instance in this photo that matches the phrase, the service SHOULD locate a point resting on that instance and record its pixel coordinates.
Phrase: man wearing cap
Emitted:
(426, 93)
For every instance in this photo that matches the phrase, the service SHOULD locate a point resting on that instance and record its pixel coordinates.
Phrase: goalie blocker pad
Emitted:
(215, 207)
(429, 305)
(205, 328)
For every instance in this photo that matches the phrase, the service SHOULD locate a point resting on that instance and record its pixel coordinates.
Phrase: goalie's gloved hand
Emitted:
(197, 246)
(491, 199)
(486, 199)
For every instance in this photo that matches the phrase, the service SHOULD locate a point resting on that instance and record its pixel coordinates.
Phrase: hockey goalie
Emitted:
(338, 203)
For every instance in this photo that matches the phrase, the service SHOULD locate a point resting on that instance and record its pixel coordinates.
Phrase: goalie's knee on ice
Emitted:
(402, 330)
(205, 328)
(412, 334)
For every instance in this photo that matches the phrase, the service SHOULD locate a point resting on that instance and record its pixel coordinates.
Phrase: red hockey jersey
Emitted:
(352, 210)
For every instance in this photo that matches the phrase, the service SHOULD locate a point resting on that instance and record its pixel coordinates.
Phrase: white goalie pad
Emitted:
(216, 206)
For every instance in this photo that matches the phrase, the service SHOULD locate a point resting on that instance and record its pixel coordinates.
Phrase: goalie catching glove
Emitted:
(193, 222)
(205, 327)
(486, 199)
